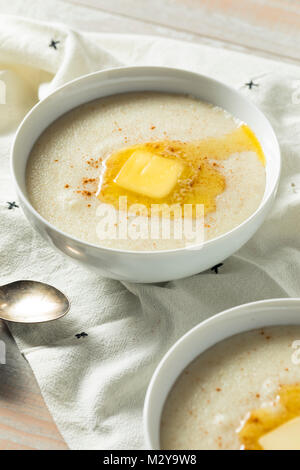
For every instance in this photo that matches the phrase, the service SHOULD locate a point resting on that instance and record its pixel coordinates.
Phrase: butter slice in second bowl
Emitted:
(149, 174)
(284, 437)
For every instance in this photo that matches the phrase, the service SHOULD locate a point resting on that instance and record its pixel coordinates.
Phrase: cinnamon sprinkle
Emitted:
(94, 163)
(88, 180)
(85, 192)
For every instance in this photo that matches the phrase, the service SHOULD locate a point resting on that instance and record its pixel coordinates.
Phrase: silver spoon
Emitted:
(32, 302)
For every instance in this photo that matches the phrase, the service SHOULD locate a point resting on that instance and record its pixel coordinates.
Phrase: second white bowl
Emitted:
(236, 320)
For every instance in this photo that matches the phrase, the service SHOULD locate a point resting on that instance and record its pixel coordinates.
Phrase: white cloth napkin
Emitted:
(95, 385)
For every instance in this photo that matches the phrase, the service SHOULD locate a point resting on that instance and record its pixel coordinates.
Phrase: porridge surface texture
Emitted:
(214, 394)
(67, 160)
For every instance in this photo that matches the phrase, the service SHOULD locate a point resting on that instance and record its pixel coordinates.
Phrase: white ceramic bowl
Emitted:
(233, 321)
(133, 265)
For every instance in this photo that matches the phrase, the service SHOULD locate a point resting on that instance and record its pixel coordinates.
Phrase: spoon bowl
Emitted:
(32, 302)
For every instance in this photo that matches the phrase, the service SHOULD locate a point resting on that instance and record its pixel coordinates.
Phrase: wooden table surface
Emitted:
(268, 28)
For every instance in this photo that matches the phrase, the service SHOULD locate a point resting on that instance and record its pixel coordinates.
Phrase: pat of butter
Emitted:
(285, 437)
(149, 174)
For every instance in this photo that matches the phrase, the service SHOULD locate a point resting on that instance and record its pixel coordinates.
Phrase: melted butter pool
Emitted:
(201, 180)
(264, 420)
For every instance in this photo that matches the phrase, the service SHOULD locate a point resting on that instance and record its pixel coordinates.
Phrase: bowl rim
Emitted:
(240, 310)
(162, 69)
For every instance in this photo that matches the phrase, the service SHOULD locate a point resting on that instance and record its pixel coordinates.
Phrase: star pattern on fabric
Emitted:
(81, 335)
(216, 268)
(54, 43)
(11, 205)
(294, 188)
(251, 84)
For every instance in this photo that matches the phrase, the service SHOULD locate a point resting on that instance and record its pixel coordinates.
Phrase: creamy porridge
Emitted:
(234, 394)
(151, 148)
